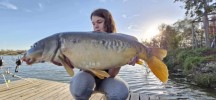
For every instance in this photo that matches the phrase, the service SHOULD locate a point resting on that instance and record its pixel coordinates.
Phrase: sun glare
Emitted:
(150, 32)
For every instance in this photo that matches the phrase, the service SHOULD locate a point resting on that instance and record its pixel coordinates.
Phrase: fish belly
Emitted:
(88, 55)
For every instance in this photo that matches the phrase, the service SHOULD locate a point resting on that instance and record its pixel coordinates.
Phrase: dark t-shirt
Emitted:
(98, 81)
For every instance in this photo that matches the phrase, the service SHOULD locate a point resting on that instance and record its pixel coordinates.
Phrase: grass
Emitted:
(191, 62)
(205, 80)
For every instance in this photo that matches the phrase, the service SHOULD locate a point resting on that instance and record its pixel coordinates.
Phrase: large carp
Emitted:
(96, 52)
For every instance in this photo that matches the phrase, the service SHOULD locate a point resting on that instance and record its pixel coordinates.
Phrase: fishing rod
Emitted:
(1, 64)
(18, 63)
(6, 82)
(13, 75)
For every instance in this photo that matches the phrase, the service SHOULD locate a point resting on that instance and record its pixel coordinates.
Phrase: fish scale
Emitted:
(96, 52)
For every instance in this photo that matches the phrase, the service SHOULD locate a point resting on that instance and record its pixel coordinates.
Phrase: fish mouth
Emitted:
(28, 61)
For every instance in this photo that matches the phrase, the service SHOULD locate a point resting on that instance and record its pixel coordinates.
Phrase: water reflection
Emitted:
(137, 77)
(140, 81)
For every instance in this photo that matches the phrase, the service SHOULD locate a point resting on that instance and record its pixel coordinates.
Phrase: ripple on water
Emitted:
(137, 77)
(140, 81)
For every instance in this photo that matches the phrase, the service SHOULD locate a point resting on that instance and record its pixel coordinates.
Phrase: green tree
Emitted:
(200, 8)
(183, 28)
(169, 38)
(191, 35)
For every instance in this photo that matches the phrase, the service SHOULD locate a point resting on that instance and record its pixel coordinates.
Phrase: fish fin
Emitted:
(140, 62)
(158, 68)
(67, 68)
(159, 53)
(99, 73)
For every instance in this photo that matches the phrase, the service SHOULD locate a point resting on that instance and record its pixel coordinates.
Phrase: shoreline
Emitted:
(11, 52)
(197, 66)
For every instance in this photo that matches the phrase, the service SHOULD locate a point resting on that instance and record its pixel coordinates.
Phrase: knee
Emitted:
(115, 89)
(117, 96)
(120, 95)
(82, 85)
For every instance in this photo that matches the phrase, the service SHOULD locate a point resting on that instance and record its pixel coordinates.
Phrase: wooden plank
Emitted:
(153, 97)
(47, 90)
(103, 98)
(97, 96)
(15, 84)
(13, 91)
(54, 92)
(56, 95)
(50, 90)
(92, 96)
(144, 96)
(35, 93)
(68, 97)
(64, 95)
(16, 91)
(20, 93)
(128, 98)
(134, 96)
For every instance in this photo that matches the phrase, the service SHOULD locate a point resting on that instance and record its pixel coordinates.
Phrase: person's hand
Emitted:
(113, 72)
(133, 61)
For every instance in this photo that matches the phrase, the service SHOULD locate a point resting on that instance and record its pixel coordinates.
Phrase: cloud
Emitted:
(8, 5)
(40, 5)
(135, 28)
(129, 17)
(124, 16)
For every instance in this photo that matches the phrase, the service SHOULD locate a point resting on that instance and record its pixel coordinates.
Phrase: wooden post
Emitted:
(206, 24)
(213, 45)
(194, 37)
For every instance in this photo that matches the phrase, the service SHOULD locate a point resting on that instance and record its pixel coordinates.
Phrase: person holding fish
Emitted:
(84, 83)
(100, 55)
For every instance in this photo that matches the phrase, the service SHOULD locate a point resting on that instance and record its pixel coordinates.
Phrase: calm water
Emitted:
(137, 77)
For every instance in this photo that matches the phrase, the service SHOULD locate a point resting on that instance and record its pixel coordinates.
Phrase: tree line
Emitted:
(11, 52)
(198, 29)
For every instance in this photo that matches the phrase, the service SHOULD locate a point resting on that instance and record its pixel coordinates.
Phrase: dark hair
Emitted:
(109, 24)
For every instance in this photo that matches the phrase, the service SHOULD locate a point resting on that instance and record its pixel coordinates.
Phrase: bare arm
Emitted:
(114, 71)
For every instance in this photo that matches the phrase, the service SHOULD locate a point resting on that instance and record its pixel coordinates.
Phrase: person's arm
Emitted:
(113, 72)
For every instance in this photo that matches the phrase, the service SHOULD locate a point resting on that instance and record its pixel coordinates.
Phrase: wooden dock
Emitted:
(37, 89)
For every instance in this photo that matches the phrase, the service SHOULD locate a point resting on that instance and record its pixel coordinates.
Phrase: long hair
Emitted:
(109, 24)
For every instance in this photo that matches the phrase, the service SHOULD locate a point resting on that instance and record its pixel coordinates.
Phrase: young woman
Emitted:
(84, 83)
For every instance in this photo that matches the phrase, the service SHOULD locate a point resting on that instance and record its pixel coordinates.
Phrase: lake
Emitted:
(139, 79)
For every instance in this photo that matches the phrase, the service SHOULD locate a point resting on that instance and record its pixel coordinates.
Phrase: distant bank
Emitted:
(11, 52)
(198, 66)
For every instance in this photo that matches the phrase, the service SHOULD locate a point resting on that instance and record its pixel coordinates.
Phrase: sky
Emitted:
(24, 22)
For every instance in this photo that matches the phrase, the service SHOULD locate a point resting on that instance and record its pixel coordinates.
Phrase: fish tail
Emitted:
(158, 52)
(153, 57)
(158, 68)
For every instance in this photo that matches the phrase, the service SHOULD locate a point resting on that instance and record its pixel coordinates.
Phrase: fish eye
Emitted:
(34, 45)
